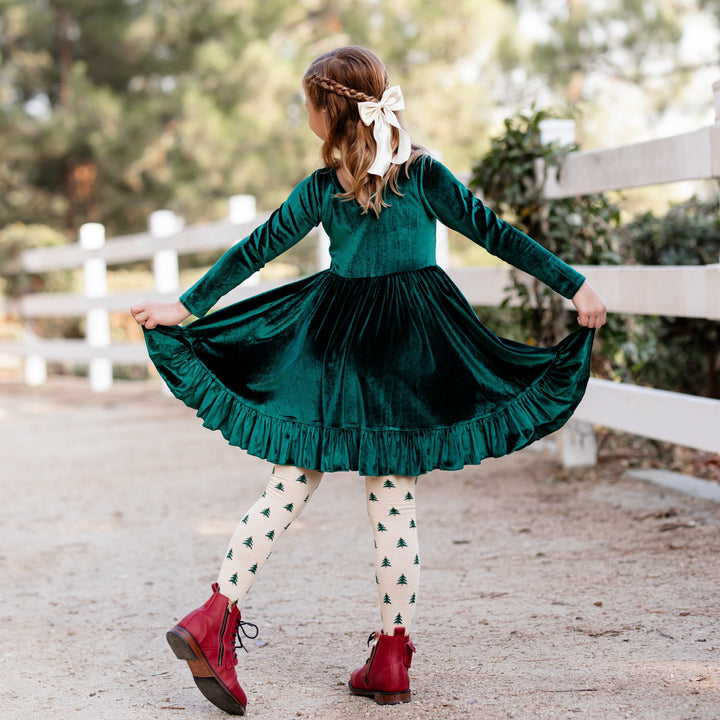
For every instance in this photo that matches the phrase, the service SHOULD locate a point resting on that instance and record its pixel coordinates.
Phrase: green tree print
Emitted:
(302, 479)
(248, 542)
(253, 569)
(381, 527)
(412, 599)
(385, 563)
(401, 543)
(409, 496)
(234, 579)
(280, 487)
(372, 497)
(270, 535)
(402, 580)
(416, 561)
(265, 512)
(386, 600)
(245, 519)
(388, 483)
(288, 507)
(412, 524)
(398, 619)
(229, 555)
(394, 511)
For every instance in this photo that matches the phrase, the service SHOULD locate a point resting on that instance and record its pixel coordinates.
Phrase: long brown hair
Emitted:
(336, 82)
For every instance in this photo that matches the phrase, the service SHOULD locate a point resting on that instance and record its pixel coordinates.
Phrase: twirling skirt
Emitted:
(383, 375)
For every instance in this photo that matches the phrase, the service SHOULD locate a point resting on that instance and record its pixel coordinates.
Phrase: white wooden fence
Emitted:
(673, 291)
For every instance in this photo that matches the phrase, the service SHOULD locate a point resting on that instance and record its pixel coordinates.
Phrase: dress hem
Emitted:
(543, 407)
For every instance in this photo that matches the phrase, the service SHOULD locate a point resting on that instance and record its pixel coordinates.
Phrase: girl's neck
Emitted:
(344, 179)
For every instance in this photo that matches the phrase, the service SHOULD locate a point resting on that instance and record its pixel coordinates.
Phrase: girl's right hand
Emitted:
(151, 314)
(592, 311)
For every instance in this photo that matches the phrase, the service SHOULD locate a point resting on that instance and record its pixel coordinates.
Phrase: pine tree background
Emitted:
(113, 109)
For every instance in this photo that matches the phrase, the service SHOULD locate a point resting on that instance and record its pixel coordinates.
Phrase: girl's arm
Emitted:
(455, 206)
(289, 224)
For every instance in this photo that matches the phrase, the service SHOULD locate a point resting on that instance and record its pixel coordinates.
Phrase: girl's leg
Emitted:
(285, 497)
(206, 637)
(391, 507)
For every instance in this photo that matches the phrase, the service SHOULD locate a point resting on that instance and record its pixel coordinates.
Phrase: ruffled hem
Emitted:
(543, 407)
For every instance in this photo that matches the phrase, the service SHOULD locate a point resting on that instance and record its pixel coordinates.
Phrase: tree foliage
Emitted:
(112, 109)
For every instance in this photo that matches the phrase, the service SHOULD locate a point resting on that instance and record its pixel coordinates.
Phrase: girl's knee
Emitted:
(305, 476)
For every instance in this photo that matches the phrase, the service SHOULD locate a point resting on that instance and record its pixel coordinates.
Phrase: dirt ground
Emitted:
(543, 595)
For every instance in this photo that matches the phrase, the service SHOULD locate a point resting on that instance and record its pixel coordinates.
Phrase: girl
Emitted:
(377, 365)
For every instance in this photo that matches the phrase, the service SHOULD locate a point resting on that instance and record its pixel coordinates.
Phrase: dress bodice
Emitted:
(400, 239)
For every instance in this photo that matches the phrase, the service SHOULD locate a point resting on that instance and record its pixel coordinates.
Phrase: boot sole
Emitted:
(209, 684)
(383, 698)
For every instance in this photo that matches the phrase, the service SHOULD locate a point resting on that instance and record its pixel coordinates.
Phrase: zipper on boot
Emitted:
(371, 658)
(221, 650)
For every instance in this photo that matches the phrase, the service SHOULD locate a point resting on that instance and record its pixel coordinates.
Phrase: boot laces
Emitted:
(241, 626)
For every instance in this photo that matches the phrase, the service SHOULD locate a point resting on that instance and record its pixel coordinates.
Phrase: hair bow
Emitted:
(381, 115)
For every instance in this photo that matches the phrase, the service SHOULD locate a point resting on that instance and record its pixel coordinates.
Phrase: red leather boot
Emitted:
(385, 677)
(206, 639)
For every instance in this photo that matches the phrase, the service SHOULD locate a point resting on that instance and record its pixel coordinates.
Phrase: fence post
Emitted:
(576, 442)
(35, 366)
(557, 130)
(166, 270)
(166, 274)
(442, 245)
(97, 333)
(243, 209)
(322, 249)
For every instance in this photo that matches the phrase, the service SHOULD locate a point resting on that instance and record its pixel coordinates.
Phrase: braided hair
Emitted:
(339, 89)
(336, 82)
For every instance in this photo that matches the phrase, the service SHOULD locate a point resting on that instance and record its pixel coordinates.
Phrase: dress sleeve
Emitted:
(287, 225)
(456, 206)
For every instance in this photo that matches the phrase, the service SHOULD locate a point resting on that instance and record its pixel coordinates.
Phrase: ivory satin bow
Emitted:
(381, 115)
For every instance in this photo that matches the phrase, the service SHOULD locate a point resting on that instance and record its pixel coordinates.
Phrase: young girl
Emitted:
(377, 365)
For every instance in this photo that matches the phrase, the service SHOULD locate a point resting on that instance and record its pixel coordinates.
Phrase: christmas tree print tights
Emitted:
(391, 507)
(285, 497)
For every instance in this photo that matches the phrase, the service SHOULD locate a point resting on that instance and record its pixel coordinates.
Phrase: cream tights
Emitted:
(285, 497)
(391, 507)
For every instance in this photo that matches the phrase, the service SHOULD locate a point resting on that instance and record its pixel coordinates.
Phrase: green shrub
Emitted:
(579, 230)
(687, 352)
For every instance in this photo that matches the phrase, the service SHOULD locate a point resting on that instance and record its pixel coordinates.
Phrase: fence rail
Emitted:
(678, 291)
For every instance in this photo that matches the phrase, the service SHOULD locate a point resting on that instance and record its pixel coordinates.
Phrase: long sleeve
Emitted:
(455, 206)
(287, 225)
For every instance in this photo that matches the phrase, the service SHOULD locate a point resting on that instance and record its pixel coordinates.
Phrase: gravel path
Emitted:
(542, 595)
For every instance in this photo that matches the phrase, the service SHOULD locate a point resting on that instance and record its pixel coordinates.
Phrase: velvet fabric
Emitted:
(378, 364)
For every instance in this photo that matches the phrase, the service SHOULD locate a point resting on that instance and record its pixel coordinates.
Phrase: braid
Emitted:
(339, 89)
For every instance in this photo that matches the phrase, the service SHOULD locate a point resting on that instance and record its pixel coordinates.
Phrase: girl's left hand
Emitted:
(592, 311)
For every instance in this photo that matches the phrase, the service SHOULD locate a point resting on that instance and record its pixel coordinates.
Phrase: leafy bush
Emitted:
(687, 352)
(579, 230)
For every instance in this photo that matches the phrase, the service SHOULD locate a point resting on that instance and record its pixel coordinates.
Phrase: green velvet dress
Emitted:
(378, 364)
